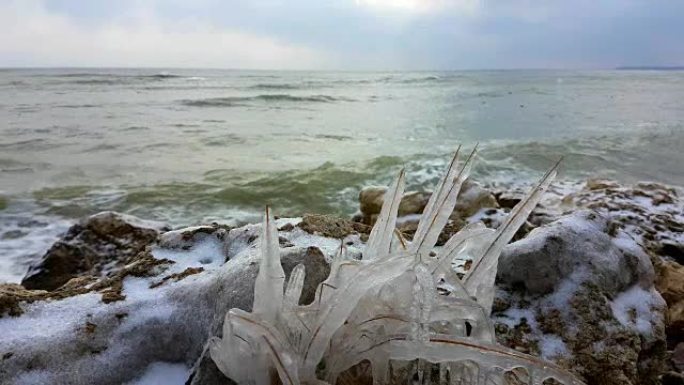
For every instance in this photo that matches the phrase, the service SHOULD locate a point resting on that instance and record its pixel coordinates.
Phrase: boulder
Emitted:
(572, 293)
(473, 198)
(93, 247)
(372, 198)
(574, 244)
(331, 226)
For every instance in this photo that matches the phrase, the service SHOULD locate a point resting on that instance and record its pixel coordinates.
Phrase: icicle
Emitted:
(268, 287)
(380, 238)
(440, 206)
(479, 280)
(293, 291)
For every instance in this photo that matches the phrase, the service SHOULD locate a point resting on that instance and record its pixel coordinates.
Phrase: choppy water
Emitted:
(187, 146)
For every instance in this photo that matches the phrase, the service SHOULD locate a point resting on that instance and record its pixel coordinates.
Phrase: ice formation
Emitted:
(399, 308)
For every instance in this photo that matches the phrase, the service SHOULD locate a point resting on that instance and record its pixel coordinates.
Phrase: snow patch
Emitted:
(207, 253)
(163, 373)
(552, 347)
(633, 308)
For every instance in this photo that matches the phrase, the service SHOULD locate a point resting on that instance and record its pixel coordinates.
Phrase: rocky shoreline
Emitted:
(594, 282)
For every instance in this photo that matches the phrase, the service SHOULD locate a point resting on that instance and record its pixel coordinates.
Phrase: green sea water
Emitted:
(190, 146)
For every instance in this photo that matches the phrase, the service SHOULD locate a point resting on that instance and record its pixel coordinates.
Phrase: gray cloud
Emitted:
(345, 34)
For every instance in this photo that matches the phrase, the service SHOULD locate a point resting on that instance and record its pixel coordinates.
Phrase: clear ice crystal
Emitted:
(385, 309)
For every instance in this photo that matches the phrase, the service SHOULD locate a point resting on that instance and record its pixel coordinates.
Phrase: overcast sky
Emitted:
(342, 34)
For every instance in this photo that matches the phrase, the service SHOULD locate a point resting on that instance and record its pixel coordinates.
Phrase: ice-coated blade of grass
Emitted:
(268, 288)
(272, 342)
(333, 313)
(295, 284)
(479, 281)
(440, 206)
(380, 238)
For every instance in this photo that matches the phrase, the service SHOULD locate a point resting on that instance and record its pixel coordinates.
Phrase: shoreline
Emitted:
(604, 234)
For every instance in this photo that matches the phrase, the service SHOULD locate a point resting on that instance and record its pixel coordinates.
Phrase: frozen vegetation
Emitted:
(385, 308)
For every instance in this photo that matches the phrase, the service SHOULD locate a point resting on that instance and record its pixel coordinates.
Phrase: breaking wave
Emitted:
(233, 101)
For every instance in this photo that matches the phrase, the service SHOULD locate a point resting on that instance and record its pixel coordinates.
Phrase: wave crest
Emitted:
(233, 101)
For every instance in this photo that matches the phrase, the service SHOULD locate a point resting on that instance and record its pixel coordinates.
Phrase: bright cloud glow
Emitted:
(422, 6)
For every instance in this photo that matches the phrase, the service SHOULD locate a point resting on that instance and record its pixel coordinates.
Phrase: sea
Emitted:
(195, 146)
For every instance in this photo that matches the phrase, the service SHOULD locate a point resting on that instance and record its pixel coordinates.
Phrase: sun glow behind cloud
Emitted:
(421, 6)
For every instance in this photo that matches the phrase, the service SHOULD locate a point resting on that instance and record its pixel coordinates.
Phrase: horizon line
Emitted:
(620, 67)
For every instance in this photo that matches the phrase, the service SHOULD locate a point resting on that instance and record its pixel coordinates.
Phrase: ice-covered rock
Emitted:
(164, 315)
(651, 213)
(576, 293)
(94, 247)
(576, 243)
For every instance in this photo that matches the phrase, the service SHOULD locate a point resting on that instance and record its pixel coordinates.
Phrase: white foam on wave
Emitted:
(24, 238)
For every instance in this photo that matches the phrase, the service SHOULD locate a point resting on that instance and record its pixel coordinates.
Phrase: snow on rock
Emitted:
(163, 314)
(162, 373)
(551, 253)
(93, 247)
(634, 307)
(582, 294)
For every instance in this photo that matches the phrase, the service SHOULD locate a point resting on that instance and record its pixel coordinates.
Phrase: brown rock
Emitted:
(600, 184)
(472, 198)
(670, 281)
(675, 325)
(370, 199)
(104, 239)
(331, 226)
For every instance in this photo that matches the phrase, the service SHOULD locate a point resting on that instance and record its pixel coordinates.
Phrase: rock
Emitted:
(413, 203)
(185, 238)
(672, 378)
(584, 299)
(11, 295)
(331, 226)
(370, 199)
(508, 199)
(678, 357)
(675, 318)
(670, 281)
(100, 242)
(80, 338)
(3, 202)
(472, 198)
(670, 284)
(672, 249)
(651, 213)
(576, 243)
(601, 184)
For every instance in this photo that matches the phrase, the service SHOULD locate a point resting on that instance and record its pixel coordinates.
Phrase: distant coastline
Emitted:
(651, 68)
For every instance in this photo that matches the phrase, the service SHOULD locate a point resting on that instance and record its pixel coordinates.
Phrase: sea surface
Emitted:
(192, 146)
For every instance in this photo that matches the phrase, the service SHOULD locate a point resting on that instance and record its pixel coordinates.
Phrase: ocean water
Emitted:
(191, 146)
